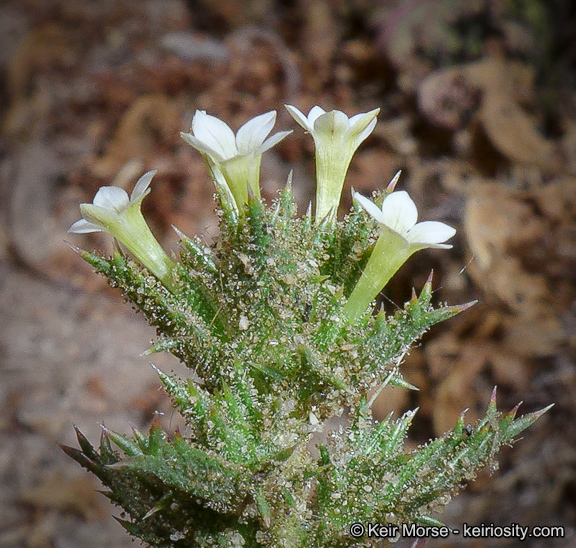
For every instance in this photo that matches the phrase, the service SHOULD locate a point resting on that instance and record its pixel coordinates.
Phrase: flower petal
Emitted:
(100, 216)
(430, 232)
(370, 207)
(269, 143)
(364, 118)
(214, 133)
(399, 212)
(314, 114)
(141, 187)
(84, 227)
(202, 147)
(361, 137)
(299, 117)
(252, 134)
(362, 125)
(112, 198)
(333, 125)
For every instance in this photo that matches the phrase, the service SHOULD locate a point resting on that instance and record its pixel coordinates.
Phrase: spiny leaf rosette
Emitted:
(275, 319)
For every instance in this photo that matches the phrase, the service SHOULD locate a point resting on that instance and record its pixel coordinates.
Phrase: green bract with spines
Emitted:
(262, 318)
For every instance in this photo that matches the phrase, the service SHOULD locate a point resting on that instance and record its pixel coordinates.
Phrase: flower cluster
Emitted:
(234, 161)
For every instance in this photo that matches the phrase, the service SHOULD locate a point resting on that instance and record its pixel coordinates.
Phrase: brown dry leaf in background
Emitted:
(467, 362)
(509, 369)
(39, 49)
(497, 222)
(533, 336)
(508, 280)
(461, 365)
(495, 89)
(521, 241)
(397, 133)
(557, 200)
(513, 132)
(446, 98)
(149, 120)
(503, 233)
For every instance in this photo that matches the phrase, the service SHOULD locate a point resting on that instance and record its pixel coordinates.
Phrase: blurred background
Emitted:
(478, 108)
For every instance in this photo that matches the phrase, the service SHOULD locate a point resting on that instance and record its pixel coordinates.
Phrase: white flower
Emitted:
(400, 237)
(337, 138)
(399, 214)
(214, 137)
(235, 157)
(109, 205)
(113, 211)
(319, 122)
